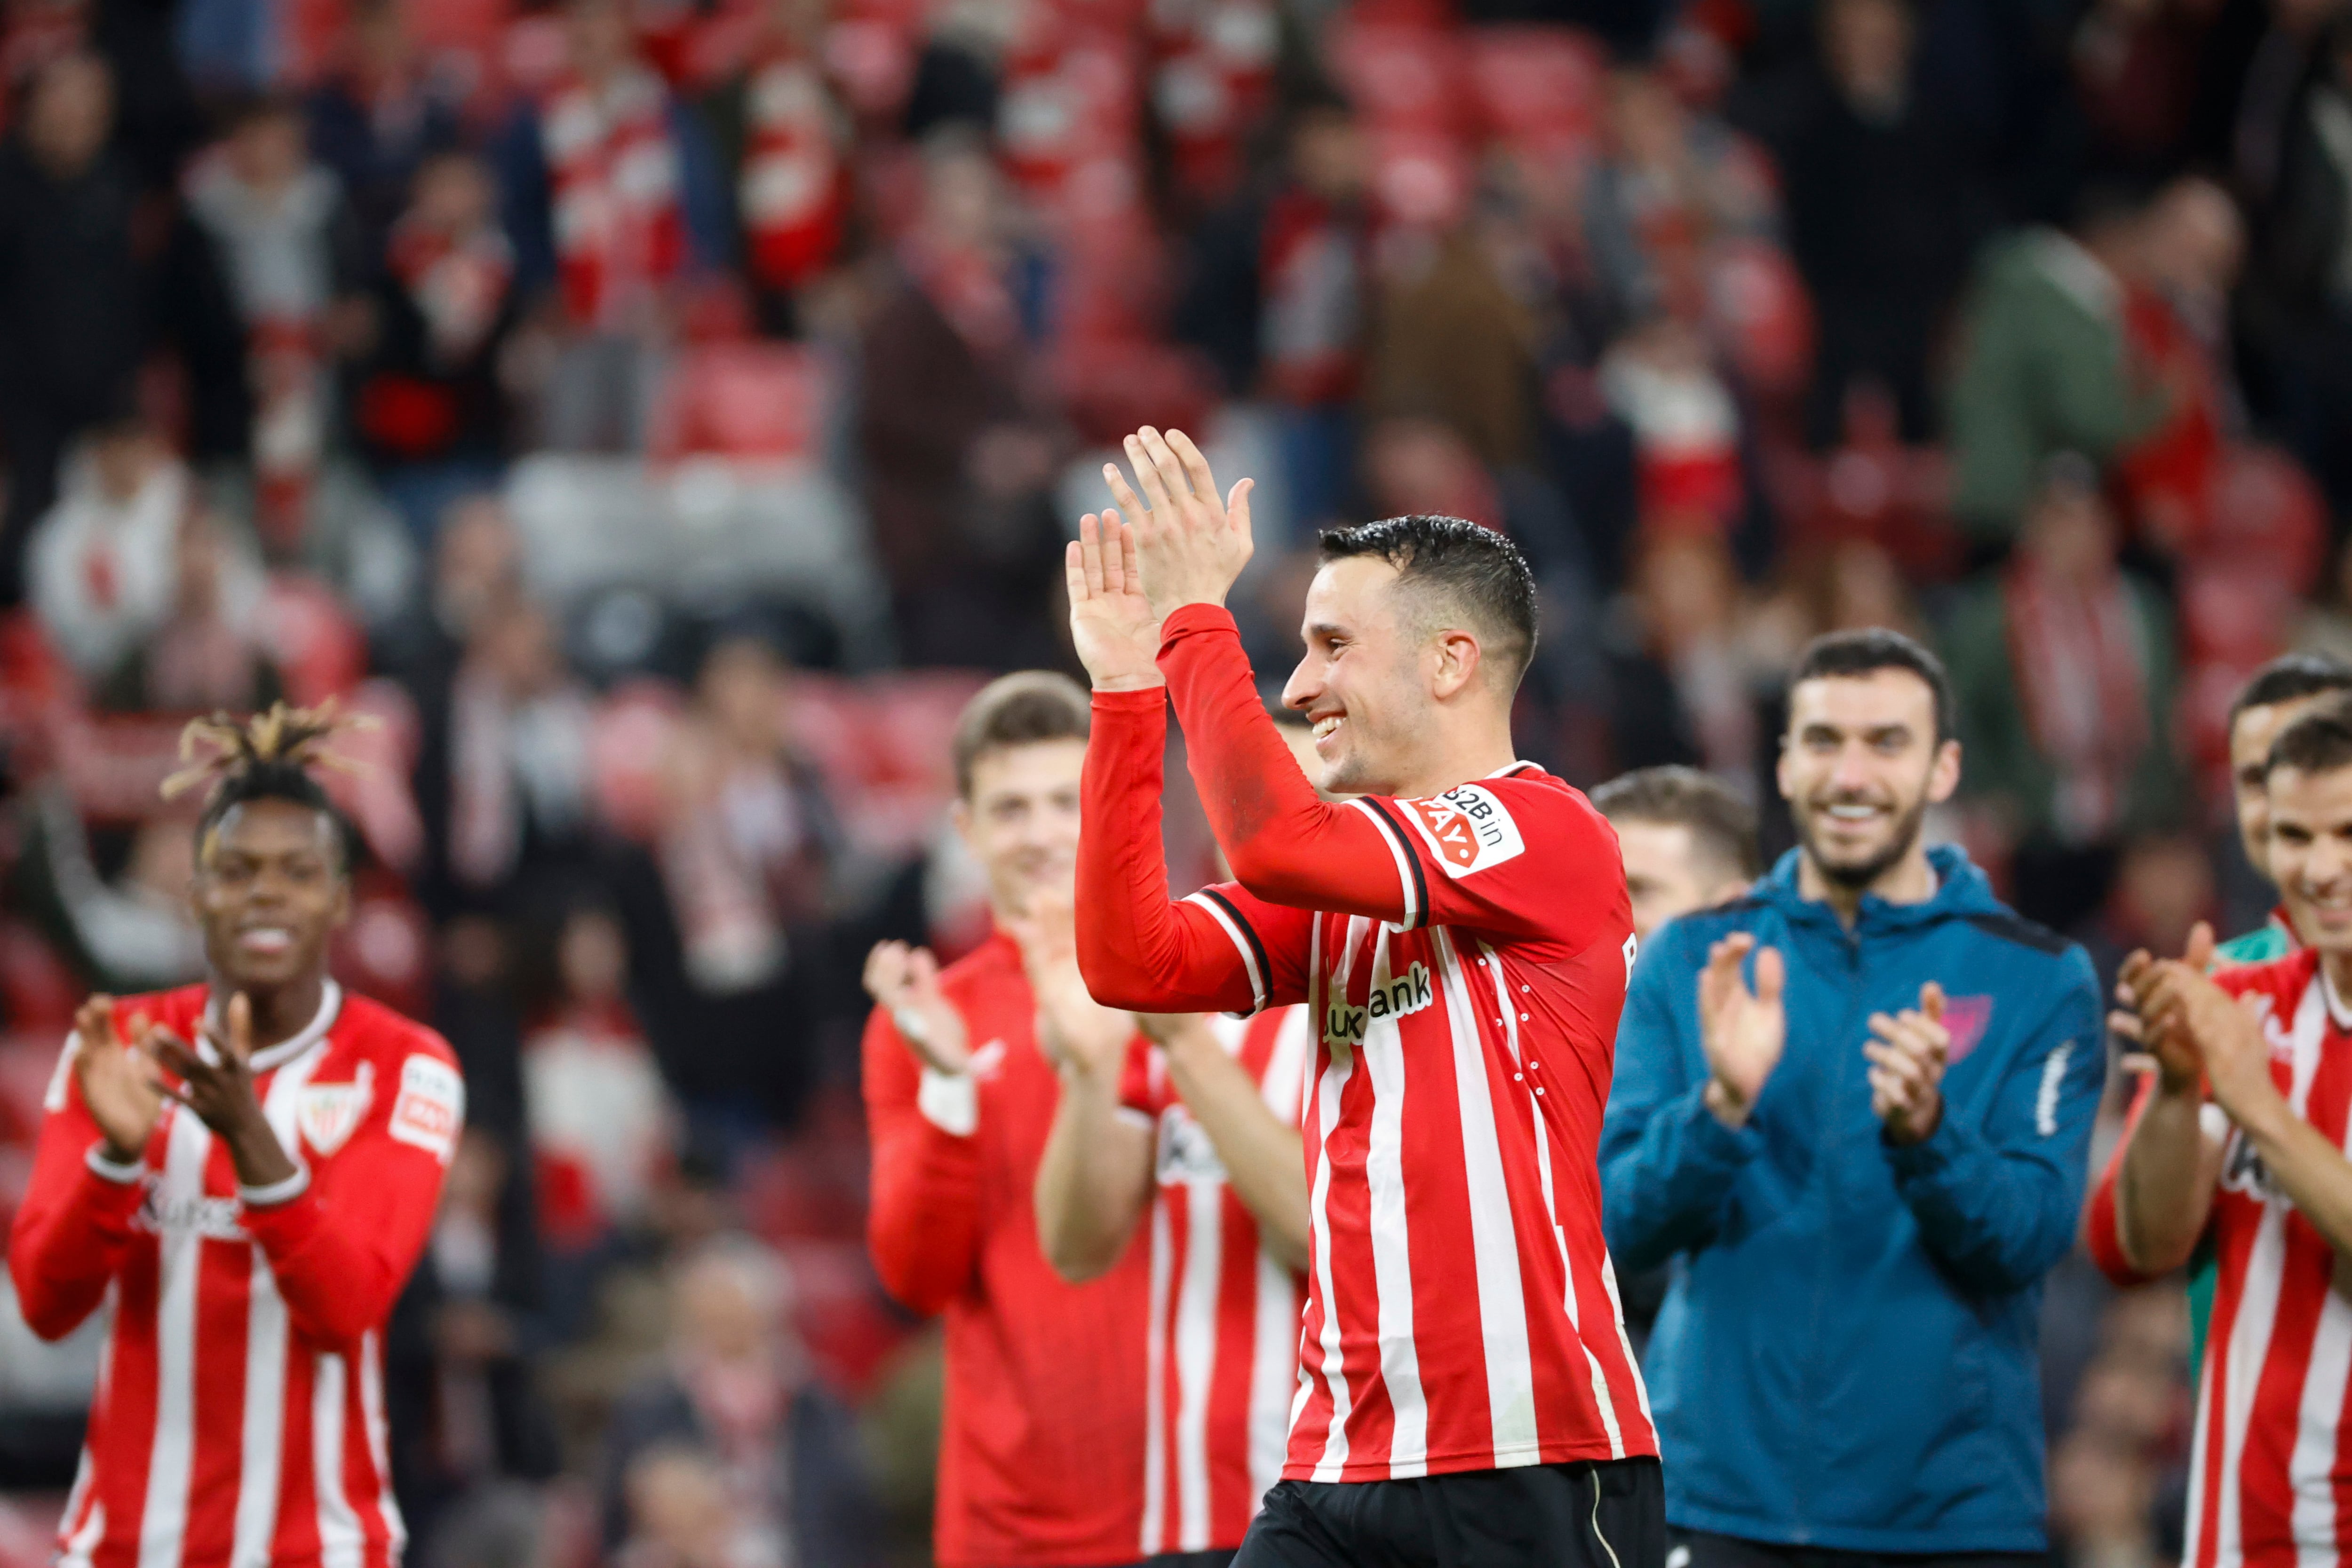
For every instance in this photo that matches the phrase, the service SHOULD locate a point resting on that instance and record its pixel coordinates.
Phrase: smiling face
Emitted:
(2311, 852)
(1021, 819)
(269, 893)
(1361, 685)
(1859, 768)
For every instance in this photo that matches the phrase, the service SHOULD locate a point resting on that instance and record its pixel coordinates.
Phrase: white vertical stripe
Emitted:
(1624, 1341)
(1283, 1086)
(163, 1517)
(1196, 1357)
(1391, 1241)
(1599, 1379)
(1339, 1067)
(1493, 1236)
(1274, 1371)
(1155, 1388)
(2250, 1334)
(379, 1437)
(265, 1331)
(2200, 1433)
(2310, 1470)
(1398, 852)
(342, 1543)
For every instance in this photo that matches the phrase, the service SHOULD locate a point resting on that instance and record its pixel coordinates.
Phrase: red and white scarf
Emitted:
(613, 170)
(456, 282)
(792, 188)
(2081, 681)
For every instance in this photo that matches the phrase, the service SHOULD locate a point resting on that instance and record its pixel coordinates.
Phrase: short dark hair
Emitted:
(1479, 569)
(1868, 649)
(2318, 742)
(1024, 708)
(2288, 677)
(1719, 821)
(268, 757)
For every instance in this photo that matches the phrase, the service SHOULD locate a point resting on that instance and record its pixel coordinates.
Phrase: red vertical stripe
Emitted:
(124, 1443)
(1231, 1501)
(298, 1492)
(223, 1285)
(1449, 1326)
(2237, 1242)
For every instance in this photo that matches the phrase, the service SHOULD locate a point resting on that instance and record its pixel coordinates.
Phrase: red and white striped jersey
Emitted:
(2270, 1480)
(1462, 1311)
(240, 1414)
(1223, 1347)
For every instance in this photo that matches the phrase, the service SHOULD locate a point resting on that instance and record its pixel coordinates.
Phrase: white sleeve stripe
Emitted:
(282, 1191)
(107, 1170)
(1241, 945)
(1404, 866)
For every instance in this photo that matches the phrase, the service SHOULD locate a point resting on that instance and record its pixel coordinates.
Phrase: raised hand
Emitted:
(1111, 622)
(1742, 1032)
(905, 981)
(2161, 1047)
(116, 1083)
(1077, 1033)
(1907, 1054)
(2184, 1006)
(1192, 545)
(219, 1090)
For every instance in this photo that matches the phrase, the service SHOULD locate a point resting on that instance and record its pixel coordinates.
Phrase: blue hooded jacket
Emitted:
(1847, 1355)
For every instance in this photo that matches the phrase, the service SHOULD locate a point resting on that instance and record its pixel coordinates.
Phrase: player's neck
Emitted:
(284, 1011)
(1910, 879)
(1463, 757)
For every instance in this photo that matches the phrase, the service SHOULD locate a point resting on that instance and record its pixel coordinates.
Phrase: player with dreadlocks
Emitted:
(243, 1173)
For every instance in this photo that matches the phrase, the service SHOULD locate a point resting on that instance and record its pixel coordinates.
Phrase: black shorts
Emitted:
(1610, 1514)
(1699, 1549)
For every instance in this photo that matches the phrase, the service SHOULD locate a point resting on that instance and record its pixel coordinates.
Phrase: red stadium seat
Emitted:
(627, 741)
(318, 649)
(1403, 77)
(2266, 509)
(1537, 84)
(746, 400)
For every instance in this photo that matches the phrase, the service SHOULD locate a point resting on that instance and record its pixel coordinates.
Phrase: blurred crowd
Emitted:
(658, 416)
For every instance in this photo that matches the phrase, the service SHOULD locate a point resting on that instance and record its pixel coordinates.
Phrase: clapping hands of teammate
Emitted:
(218, 1087)
(118, 1082)
(905, 980)
(1907, 1051)
(1742, 1032)
(1111, 622)
(1190, 545)
(2167, 1052)
(2195, 1026)
(1079, 1034)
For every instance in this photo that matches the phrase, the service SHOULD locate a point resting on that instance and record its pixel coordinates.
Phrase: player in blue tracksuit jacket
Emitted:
(1861, 1162)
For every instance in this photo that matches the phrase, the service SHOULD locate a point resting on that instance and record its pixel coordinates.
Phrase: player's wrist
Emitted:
(1131, 681)
(1725, 1106)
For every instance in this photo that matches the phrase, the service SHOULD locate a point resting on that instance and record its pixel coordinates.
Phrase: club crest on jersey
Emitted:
(1185, 1155)
(1407, 993)
(1468, 829)
(431, 1107)
(329, 1113)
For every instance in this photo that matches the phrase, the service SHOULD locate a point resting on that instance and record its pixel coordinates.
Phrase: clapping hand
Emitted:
(118, 1082)
(905, 981)
(220, 1089)
(1190, 545)
(1079, 1034)
(1742, 1032)
(1907, 1054)
(1111, 622)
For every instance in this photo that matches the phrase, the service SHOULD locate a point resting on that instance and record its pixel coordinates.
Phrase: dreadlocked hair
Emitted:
(268, 757)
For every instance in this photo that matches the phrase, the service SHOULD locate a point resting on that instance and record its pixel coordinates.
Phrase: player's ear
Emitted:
(1456, 658)
(1944, 777)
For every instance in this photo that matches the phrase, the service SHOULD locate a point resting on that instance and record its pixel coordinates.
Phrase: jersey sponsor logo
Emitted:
(1185, 1155)
(329, 1113)
(214, 1218)
(1964, 1018)
(1468, 829)
(430, 1106)
(1408, 993)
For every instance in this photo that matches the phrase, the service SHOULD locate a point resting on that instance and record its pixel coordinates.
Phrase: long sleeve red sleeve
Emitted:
(1285, 843)
(923, 1219)
(74, 1226)
(2102, 1227)
(343, 1244)
(1135, 947)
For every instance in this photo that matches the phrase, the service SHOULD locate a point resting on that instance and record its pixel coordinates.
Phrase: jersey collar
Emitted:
(1510, 769)
(331, 1006)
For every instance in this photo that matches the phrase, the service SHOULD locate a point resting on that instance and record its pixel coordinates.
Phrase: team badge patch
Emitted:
(329, 1113)
(1964, 1018)
(1468, 828)
(430, 1106)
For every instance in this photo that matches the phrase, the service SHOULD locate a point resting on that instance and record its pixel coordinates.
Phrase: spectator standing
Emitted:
(1845, 1199)
(2044, 365)
(102, 563)
(429, 402)
(734, 1386)
(960, 1096)
(611, 198)
(1883, 210)
(2062, 676)
(73, 317)
(781, 136)
(378, 117)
